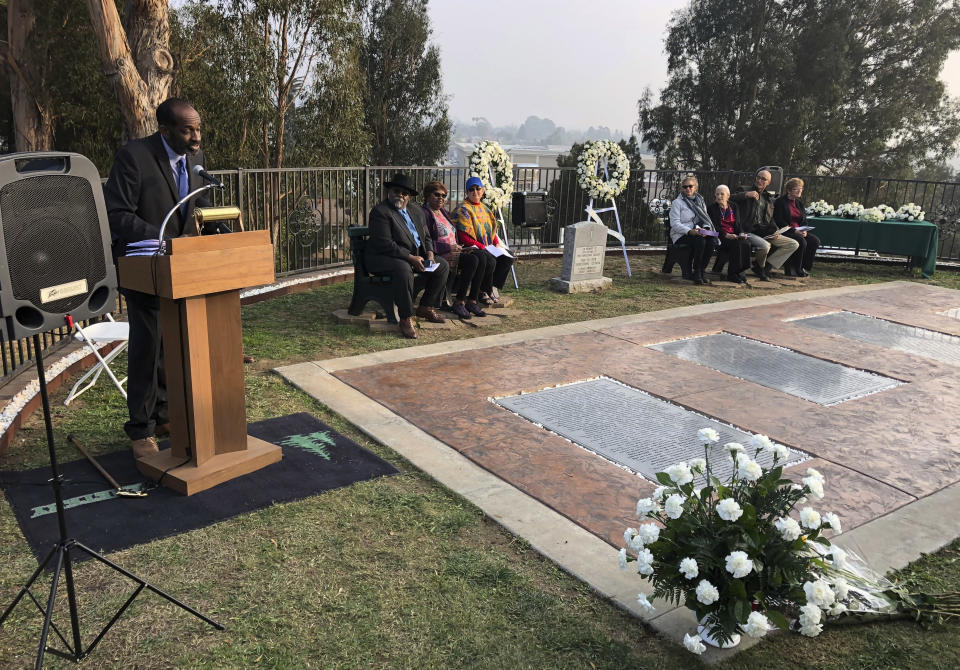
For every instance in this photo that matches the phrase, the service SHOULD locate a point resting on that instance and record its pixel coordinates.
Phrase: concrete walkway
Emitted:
(897, 526)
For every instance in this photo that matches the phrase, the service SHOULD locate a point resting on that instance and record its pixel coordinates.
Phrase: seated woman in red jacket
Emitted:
(477, 227)
(733, 240)
(463, 261)
(789, 210)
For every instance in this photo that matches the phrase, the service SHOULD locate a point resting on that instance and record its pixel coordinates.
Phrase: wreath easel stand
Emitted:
(595, 213)
(506, 242)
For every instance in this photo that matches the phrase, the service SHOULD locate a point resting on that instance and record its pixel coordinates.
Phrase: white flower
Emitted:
(648, 533)
(815, 485)
(761, 443)
(812, 472)
(780, 452)
(645, 506)
(645, 606)
(819, 593)
(622, 558)
(837, 609)
(674, 506)
(659, 493)
(789, 528)
(839, 557)
(841, 588)
(635, 543)
(628, 535)
(810, 518)
(693, 644)
(689, 568)
(810, 614)
(757, 625)
(708, 435)
(698, 465)
(734, 448)
(645, 562)
(707, 593)
(749, 469)
(729, 509)
(738, 564)
(680, 473)
(833, 521)
(811, 630)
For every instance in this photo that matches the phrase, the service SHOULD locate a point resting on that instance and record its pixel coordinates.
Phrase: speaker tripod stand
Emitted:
(60, 558)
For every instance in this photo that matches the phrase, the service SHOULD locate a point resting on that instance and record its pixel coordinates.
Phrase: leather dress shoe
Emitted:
(144, 447)
(461, 311)
(429, 314)
(407, 329)
(162, 429)
(475, 308)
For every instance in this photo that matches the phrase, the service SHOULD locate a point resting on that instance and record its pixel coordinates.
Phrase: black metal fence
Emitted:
(308, 211)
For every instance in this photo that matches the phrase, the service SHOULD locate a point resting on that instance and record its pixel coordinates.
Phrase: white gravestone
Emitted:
(584, 250)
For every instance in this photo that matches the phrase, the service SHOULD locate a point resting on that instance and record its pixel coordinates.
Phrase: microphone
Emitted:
(206, 176)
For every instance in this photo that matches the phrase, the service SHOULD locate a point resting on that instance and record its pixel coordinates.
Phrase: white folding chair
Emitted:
(91, 336)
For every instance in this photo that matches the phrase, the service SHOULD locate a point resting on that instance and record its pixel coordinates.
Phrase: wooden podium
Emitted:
(199, 284)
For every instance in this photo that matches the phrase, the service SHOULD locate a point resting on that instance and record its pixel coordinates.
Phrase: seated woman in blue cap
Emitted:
(477, 227)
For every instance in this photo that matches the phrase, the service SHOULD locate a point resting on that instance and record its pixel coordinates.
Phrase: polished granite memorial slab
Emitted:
(920, 341)
(878, 452)
(779, 368)
(582, 412)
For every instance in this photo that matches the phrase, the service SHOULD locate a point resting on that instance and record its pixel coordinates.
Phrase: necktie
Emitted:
(412, 228)
(183, 183)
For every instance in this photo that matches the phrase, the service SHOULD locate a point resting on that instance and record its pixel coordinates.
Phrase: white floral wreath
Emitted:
(618, 169)
(489, 154)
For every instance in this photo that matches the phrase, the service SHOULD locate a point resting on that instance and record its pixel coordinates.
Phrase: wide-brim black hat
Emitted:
(402, 181)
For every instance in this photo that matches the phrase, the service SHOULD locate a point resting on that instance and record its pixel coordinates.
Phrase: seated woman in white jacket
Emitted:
(690, 226)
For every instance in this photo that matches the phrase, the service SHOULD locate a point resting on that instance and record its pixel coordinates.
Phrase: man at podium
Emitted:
(149, 176)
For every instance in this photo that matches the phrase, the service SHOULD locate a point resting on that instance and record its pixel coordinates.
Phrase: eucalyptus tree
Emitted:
(405, 108)
(843, 88)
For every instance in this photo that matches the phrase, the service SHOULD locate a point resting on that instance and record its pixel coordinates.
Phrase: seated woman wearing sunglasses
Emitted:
(463, 261)
(477, 227)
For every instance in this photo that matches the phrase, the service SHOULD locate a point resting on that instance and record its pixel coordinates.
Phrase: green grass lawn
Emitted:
(400, 572)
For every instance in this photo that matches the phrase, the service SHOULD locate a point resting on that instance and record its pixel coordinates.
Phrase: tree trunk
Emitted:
(137, 62)
(32, 108)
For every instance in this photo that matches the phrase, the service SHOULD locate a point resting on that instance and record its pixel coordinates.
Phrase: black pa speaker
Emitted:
(529, 209)
(55, 255)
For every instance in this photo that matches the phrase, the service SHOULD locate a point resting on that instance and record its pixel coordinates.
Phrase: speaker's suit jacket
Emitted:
(142, 189)
(391, 239)
(139, 193)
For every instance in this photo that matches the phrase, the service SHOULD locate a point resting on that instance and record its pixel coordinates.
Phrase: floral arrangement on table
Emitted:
(849, 210)
(873, 215)
(820, 208)
(617, 169)
(487, 156)
(910, 212)
(887, 211)
(734, 553)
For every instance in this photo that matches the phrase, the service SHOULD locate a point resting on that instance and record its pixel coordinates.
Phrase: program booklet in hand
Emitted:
(779, 232)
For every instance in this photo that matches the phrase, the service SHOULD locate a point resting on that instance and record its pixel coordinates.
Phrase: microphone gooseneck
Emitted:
(206, 176)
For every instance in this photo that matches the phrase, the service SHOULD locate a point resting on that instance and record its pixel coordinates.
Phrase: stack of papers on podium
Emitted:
(146, 248)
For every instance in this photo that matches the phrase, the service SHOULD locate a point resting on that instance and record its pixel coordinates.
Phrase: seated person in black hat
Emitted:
(400, 246)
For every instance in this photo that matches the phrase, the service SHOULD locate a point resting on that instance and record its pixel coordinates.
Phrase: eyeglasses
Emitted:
(475, 188)
(442, 196)
(689, 186)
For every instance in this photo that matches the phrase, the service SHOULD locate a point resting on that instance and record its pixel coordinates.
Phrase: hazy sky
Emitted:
(580, 63)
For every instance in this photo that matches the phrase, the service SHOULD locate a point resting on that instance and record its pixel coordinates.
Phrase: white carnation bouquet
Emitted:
(750, 553)
(910, 212)
(849, 210)
(820, 208)
(873, 215)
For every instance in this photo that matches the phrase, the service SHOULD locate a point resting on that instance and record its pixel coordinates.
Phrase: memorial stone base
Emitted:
(580, 285)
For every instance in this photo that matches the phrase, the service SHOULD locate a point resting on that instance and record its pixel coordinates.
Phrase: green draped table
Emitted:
(917, 239)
